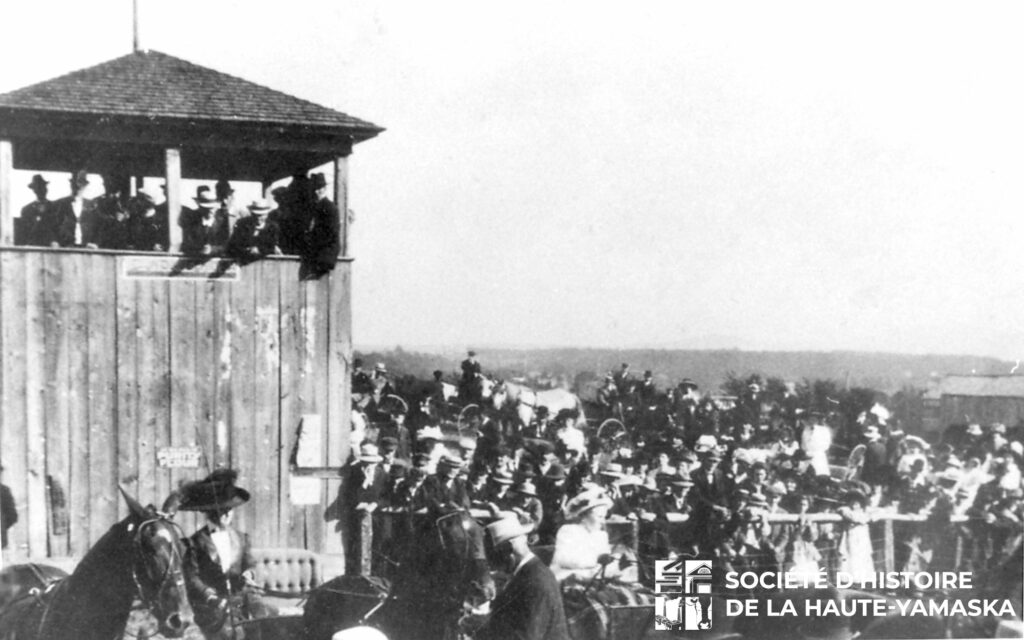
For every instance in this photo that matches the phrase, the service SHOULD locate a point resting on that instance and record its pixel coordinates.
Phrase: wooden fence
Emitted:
(110, 360)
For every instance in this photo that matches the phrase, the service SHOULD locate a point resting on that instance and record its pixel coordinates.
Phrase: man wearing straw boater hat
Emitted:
(254, 236)
(530, 607)
(219, 565)
(365, 489)
(204, 231)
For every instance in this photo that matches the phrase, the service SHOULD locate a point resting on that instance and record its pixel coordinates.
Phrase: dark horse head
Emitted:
(441, 567)
(139, 558)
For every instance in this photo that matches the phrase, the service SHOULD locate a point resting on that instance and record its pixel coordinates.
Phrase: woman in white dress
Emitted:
(855, 554)
(582, 548)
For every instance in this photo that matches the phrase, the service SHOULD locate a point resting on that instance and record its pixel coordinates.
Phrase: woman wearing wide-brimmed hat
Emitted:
(219, 568)
(582, 548)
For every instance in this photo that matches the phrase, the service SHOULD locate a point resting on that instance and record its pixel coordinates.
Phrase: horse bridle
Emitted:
(178, 577)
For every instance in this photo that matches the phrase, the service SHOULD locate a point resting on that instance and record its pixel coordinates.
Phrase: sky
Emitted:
(783, 175)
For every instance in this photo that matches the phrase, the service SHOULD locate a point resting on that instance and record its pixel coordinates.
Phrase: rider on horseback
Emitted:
(219, 568)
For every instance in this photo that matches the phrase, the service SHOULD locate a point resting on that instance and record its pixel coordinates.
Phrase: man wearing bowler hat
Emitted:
(31, 227)
(322, 237)
(219, 566)
(530, 606)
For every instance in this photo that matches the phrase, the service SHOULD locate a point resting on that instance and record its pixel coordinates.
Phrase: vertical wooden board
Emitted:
(35, 425)
(154, 381)
(55, 403)
(293, 376)
(15, 444)
(101, 298)
(316, 380)
(265, 431)
(224, 335)
(207, 373)
(185, 411)
(127, 388)
(241, 437)
(338, 351)
(77, 331)
(339, 355)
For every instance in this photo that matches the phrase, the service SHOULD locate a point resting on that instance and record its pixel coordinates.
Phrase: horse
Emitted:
(140, 557)
(525, 401)
(440, 568)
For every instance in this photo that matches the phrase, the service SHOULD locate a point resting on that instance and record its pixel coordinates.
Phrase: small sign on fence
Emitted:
(179, 457)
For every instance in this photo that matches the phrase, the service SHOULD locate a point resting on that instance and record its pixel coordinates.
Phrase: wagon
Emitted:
(616, 622)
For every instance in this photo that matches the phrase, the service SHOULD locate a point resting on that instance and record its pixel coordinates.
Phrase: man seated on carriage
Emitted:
(530, 606)
(527, 507)
(647, 391)
(498, 496)
(218, 567)
(540, 426)
(608, 397)
(469, 387)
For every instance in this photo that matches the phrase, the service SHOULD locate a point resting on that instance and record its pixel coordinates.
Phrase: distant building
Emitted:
(983, 399)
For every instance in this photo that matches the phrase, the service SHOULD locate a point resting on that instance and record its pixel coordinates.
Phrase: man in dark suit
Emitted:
(471, 370)
(530, 607)
(75, 221)
(444, 492)
(31, 227)
(365, 486)
(255, 236)
(204, 231)
(711, 498)
(322, 238)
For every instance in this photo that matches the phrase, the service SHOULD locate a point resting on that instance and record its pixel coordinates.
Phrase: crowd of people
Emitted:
(301, 220)
(744, 484)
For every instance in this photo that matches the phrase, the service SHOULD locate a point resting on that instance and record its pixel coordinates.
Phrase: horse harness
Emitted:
(46, 596)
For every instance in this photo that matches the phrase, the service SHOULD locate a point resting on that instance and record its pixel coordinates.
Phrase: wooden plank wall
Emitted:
(99, 371)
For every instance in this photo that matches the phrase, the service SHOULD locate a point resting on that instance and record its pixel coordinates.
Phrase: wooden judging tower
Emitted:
(146, 370)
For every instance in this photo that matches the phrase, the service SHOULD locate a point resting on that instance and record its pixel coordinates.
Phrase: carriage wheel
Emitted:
(468, 412)
(611, 429)
(390, 402)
